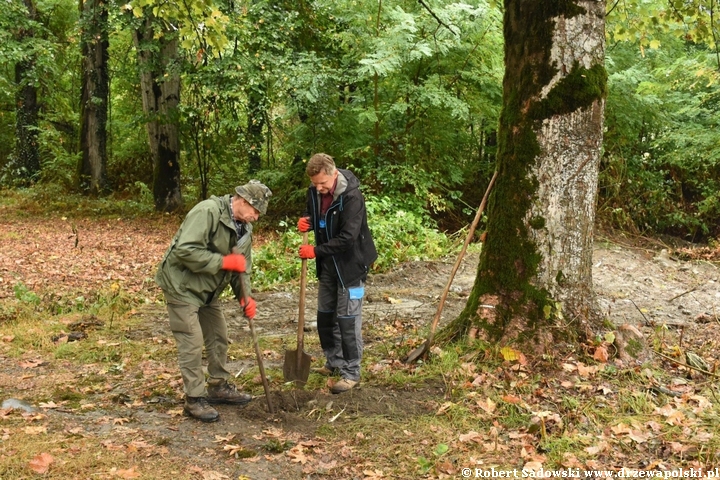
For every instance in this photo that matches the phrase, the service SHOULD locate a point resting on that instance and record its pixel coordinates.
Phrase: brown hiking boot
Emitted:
(326, 372)
(343, 385)
(197, 407)
(224, 392)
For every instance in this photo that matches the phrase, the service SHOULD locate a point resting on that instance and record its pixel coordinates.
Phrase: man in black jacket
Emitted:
(343, 253)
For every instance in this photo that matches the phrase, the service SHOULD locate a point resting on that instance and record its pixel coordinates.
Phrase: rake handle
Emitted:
(469, 237)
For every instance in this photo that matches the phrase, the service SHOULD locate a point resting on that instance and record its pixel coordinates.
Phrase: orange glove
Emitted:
(249, 307)
(234, 262)
(307, 251)
(304, 224)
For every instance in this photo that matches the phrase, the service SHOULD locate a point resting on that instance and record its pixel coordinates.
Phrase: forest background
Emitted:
(115, 112)
(201, 96)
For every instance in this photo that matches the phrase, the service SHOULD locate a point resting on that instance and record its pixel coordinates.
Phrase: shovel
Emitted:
(297, 363)
(423, 349)
(258, 354)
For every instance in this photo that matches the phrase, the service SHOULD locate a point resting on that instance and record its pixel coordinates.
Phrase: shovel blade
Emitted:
(294, 371)
(417, 353)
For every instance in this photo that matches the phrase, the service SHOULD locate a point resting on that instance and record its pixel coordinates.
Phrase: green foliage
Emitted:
(660, 170)
(407, 100)
(25, 295)
(47, 46)
(276, 261)
(425, 464)
(402, 234)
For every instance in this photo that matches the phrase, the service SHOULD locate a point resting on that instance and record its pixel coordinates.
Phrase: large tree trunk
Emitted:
(27, 150)
(534, 279)
(94, 97)
(160, 85)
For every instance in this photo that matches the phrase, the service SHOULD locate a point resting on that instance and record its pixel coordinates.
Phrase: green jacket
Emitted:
(191, 269)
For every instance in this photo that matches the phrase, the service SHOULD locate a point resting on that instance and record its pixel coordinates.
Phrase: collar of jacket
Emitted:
(226, 214)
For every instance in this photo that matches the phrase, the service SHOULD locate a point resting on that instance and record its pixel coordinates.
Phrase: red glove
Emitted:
(249, 307)
(307, 251)
(234, 262)
(304, 224)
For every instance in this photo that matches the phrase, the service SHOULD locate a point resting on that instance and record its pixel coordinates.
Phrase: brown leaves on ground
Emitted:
(41, 463)
(72, 256)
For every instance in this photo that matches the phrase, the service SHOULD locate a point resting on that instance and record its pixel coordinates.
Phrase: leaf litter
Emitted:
(590, 411)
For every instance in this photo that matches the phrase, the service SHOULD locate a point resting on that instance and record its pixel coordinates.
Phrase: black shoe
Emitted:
(224, 392)
(198, 407)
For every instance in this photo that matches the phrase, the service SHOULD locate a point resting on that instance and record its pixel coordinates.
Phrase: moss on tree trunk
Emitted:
(549, 74)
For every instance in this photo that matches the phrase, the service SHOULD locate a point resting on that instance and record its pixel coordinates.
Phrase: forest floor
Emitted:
(98, 395)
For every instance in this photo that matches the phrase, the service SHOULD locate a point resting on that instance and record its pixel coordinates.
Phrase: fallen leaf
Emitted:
(586, 371)
(532, 466)
(487, 405)
(233, 449)
(31, 363)
(446, 467)
(510, 354)
(601, 354)
(41, 463)
(220, 438)
(639, 437)
(36, 430)
(444, 408)
(297, 455)
(471, 436)
(213, 475)
(371, 474)
(128, 473)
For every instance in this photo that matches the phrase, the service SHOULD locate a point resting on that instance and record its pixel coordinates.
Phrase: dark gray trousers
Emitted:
(340, 323)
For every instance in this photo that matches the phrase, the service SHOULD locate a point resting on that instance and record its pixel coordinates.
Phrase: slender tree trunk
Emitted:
(534, 280)
(255, 124)
(27, 151)
(94, 97)
(160, 86)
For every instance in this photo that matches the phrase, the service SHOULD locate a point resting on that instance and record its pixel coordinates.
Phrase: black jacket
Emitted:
(345, 242)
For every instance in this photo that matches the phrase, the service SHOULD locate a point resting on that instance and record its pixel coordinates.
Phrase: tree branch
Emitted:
(425, 5)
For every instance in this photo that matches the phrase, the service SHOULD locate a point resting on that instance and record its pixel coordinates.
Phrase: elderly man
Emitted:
(211, 249)
(344, 251)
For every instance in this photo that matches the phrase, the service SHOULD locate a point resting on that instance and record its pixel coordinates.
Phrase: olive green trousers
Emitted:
(194, 327)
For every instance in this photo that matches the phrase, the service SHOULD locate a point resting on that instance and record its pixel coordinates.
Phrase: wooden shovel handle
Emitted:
(301, 308)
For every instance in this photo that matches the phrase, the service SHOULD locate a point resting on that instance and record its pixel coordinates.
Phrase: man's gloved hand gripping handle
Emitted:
(304, 224)
(234, 262)
(249, 307)
(307, 251)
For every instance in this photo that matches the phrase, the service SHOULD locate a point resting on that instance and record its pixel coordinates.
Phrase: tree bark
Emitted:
(94, 96)
(27, 150)
(160, 85)
(255, 125)
(534, 282)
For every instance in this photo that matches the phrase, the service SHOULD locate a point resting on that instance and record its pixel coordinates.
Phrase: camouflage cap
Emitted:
(256, 194)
